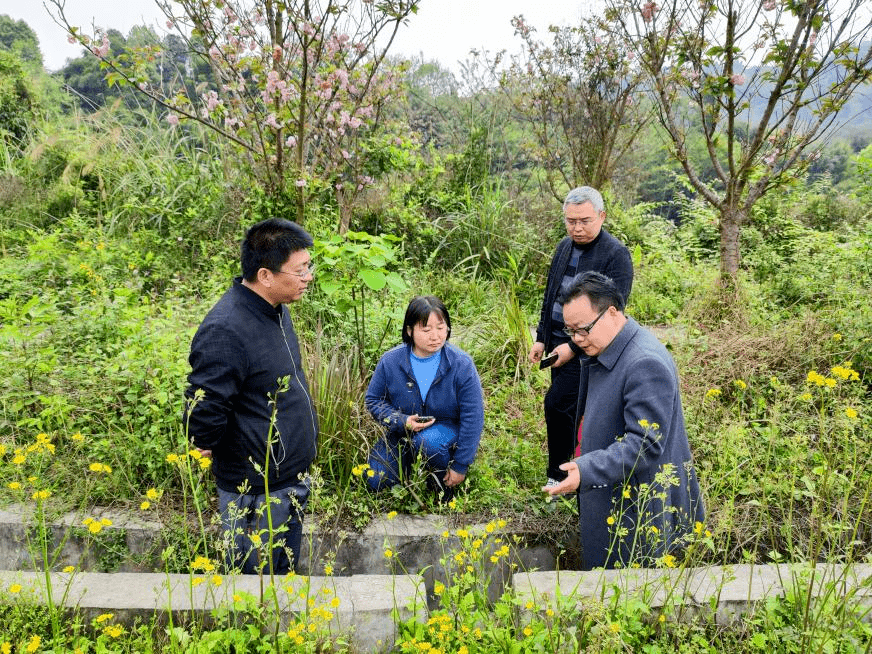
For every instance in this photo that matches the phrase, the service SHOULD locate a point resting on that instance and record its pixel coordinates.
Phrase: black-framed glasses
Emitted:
(308, 270)
(584, 331)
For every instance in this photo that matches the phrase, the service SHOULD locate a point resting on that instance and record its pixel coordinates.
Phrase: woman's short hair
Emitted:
(419, 311)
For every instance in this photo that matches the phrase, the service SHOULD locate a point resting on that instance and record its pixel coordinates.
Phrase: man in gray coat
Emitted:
(638, 496)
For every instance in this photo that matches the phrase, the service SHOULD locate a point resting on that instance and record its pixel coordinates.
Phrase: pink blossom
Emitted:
(769, 159)
(737, 79)
(769, 5)
(102, 50)
(170, 24)
(271, 121)
(346, 155)
(172, 119)
(72, 39)
(291, 141)
(212, 101)
(812, 38)
(648, 11)
(300, 183)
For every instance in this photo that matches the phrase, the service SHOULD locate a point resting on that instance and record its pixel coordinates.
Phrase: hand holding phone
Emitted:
(548, 361)
(424, 418)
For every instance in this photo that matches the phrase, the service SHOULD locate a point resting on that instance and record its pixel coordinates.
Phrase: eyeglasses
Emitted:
(583, 222)
(584, 331)
(308, 270)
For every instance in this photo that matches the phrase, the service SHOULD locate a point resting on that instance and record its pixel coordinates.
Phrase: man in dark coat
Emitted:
(638, 496)
(587, 246)
(248, 405)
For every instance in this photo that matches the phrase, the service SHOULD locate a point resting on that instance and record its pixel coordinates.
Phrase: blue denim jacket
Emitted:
(455, 397)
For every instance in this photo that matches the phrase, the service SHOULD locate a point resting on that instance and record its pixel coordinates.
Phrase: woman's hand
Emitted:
(413, 424)
(453, 478)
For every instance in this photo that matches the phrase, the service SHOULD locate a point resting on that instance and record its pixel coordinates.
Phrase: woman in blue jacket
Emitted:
(427, 395)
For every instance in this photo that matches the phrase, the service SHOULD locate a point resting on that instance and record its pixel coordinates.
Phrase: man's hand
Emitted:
(536, 352)
(568, 485)
(564, 354)
(204, 453)
(452, 478)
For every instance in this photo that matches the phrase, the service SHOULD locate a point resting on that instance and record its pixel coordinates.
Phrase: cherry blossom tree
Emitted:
(578, 96)
(764, 79)
(301, 84)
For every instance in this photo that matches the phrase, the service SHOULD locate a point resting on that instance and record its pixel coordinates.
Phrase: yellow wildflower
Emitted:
(172, 458)
(33, 645)
(15, 589)
(527, 631)
(78, 437)
(100, 468)
(462, 533)
(14, 485)
(217, 580)
(144, 506)
(328, 570)
(153, 494)
(389, 553)
(42, 495)
(851, 412)
(18, 459)
(196, 581)
(6, 648)
(104, 617)
(741, 385)
(69, 569)
(615, 627)
(610, 520)
(113, 630)
(392, 515)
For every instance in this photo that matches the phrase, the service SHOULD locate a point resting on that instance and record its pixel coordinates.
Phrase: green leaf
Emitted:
(374, 279)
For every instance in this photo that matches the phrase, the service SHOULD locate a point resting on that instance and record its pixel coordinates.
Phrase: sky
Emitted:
(442, 30)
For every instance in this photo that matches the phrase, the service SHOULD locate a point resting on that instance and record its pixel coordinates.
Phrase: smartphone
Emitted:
(425, 418)
(548, 361)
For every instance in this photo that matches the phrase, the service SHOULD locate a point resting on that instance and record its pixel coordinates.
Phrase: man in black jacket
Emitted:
(587, 246)
(248, 405)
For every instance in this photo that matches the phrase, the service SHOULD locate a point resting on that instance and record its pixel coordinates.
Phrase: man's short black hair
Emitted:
(599, 289)
(269, 243)
(419, 311)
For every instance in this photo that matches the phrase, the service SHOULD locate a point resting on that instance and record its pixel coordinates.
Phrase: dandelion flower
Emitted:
(15, 589)
(741, 385)
(19, 459)
(104, 617)
(335, 602)
(145, 506)
(196, 581)
(217, 580)
(837, 336)
(392, 515)
(33, 645)
(6, 648)
(527, 631)
(14, 485)
(42, 495)
(328, 570)
(69, 569)
(851, 412)
(610, 520)
(153, 494)
(172, 458)
(389, 553)
(78, 437)
(99, 468)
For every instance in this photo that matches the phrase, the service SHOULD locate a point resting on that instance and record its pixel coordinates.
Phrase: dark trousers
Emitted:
(245, 527)
(562, 416)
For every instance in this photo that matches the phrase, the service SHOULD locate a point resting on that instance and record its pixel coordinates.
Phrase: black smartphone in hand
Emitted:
(548, 361)
(424, 418)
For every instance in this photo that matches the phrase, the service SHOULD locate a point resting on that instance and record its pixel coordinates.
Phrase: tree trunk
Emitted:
(731, 221)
